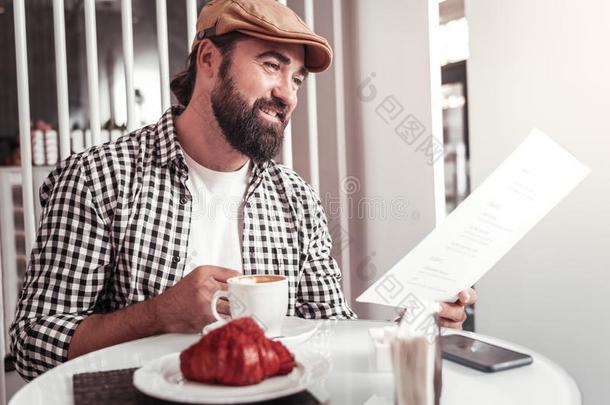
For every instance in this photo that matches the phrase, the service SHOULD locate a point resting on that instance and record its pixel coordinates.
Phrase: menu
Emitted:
(484, 227)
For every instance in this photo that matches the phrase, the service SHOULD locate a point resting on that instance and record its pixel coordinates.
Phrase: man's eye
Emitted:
(272, 65)
(298, 81)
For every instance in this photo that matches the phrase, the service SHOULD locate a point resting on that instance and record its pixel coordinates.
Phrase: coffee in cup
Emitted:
(263, 297)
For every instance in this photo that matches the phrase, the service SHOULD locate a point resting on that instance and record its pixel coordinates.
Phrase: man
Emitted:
(138, 234)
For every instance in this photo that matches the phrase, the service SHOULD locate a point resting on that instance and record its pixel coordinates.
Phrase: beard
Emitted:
(243, 126)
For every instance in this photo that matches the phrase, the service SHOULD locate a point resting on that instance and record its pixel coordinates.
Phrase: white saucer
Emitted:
(161, 378)
(294, 330)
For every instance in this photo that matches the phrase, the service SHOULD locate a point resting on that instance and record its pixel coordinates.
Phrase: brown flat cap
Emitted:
(264, 19)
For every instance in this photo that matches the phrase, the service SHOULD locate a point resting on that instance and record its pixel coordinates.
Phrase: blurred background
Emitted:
(424, 100)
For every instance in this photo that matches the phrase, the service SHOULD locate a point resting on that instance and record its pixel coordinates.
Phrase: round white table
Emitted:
(350, 379)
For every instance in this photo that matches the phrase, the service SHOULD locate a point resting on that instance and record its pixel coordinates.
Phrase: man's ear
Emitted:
(208, 58)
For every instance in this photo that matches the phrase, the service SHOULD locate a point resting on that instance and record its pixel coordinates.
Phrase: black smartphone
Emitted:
(480, 355)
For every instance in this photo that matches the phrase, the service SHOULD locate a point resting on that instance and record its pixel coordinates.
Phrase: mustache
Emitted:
(274, 104)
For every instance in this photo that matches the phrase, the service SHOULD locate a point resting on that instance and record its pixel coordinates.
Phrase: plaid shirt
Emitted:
(115, 228)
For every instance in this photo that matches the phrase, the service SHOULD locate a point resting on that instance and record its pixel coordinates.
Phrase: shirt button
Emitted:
(176, 259)
(184, 200)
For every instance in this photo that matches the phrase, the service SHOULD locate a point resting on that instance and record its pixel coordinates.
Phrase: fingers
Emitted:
(221, 274)
(467, 297)
(452, 312)
(222, 306)
(454, 315)
(448, 324)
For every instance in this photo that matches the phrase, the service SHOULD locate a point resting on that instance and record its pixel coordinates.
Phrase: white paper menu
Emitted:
(484, 227)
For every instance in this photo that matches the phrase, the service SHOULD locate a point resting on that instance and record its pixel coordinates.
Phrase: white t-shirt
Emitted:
(216, 216)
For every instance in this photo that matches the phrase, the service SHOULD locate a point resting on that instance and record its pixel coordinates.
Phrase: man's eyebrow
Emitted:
(279, 56)
(282, 58)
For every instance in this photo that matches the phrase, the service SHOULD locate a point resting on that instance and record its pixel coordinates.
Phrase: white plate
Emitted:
(294, 330)
(162, 378)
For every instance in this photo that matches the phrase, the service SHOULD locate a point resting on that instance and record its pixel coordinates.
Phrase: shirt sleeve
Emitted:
(319, 295)
(66, 272)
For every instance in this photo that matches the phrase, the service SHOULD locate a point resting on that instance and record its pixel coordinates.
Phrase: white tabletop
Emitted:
(350, 380)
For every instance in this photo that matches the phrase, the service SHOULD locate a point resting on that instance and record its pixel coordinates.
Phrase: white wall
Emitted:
(390, 40)
(547, 64)
(390, 182)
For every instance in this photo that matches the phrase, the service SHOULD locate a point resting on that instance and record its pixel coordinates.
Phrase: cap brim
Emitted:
(317, 56)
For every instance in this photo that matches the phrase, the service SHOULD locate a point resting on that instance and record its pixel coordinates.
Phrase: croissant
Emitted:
(237, 353)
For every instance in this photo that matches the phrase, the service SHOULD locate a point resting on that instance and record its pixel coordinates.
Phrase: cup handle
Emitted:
(217, 295)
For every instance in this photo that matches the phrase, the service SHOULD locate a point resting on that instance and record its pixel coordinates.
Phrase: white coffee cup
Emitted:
(262, 297)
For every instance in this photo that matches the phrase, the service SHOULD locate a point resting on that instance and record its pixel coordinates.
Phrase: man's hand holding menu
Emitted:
(514, 198)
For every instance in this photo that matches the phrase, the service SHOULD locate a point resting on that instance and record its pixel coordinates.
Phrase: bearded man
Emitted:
(136, 235)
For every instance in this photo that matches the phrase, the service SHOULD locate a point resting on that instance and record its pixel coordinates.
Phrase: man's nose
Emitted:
(286, 92)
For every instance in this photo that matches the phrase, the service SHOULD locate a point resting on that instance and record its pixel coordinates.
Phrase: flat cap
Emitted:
(264, 19)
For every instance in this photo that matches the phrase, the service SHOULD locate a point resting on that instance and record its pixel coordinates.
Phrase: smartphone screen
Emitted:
(480, 355)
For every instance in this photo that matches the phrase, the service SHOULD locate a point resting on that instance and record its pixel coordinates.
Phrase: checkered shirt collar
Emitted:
(168, 148)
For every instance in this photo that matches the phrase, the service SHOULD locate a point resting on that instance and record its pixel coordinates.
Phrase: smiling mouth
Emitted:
(272, 115)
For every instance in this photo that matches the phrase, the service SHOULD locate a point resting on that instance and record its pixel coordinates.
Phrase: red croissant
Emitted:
(237, 353)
